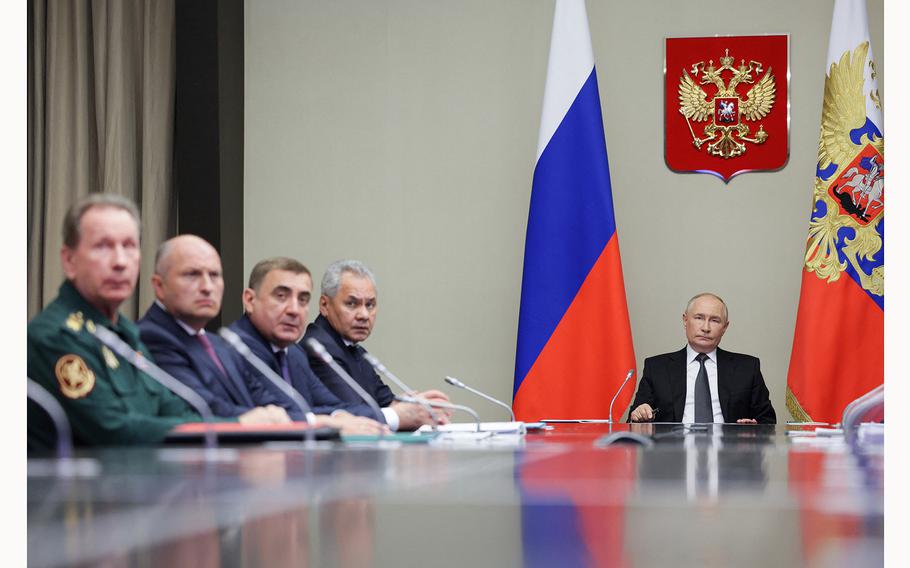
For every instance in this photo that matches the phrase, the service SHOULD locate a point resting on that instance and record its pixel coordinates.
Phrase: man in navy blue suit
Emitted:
(275, 312)
(188, 288)
(347, 312)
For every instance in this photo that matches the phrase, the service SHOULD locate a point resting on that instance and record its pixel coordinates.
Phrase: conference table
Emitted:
(574, 494)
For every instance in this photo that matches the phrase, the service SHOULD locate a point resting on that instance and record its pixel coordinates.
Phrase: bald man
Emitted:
(189, 287)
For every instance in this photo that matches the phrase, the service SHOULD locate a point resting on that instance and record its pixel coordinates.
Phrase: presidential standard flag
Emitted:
(838, 347)
(574, 340)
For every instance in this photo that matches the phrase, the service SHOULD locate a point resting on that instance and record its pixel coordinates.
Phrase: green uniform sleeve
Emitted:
(105, 405)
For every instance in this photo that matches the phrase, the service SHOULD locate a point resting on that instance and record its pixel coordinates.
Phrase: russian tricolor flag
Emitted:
(574, 339)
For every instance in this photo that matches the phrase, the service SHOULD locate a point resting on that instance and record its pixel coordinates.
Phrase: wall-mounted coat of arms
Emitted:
(726, 104)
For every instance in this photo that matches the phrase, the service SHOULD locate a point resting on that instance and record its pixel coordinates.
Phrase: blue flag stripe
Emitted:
(569, 224)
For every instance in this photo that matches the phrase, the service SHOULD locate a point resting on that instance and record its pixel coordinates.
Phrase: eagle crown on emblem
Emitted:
(726, 135)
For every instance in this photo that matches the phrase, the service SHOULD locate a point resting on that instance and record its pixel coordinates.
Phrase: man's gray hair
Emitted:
(713, 295)
(331, 280)
(73, 218)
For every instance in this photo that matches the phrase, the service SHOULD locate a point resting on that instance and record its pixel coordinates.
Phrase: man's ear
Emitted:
(247, 298)
(66, 260)
(323, 305)
(158, 285)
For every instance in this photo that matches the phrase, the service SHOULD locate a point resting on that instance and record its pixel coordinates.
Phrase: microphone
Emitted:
(234, 340)
(440, 404)
(318, 350)
(407, 390)
(628, 376)
(456, 383)
(50, 405)
(120, 347)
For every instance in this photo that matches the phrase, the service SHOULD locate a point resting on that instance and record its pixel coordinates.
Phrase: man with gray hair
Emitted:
(347, 312)
(275, 306)
(703, 383)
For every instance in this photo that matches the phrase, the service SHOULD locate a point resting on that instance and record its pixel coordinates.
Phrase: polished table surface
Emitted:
(718, 495)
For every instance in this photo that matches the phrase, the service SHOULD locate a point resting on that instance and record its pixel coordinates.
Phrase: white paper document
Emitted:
(494, 427)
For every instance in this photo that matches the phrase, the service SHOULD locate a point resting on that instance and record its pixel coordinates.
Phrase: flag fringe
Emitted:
(796, 409)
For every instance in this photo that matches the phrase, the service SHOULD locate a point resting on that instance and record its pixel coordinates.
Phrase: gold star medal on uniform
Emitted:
(75, 378)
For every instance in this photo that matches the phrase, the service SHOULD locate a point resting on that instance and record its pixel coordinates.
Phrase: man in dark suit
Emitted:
(347, 312)
(188, 289)
(275, 309)
(701, 382)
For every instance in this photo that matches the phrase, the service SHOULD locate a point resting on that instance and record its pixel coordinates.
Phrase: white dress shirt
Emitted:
(692, 366)
(185, 327)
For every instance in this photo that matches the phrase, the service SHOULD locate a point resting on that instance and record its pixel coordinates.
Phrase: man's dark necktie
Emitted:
(282, 357)
(207, 345)
(703, 409)
(357, 352)
(362, 368)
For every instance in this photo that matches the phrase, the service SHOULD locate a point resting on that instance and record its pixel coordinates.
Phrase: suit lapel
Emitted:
(198, 353)
(296, 358)
(257, 344)
(233, 382)
(724, 372)
(678, 384)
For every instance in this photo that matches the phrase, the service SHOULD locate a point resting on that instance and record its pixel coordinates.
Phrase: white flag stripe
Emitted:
(850, 28)
(571, 63)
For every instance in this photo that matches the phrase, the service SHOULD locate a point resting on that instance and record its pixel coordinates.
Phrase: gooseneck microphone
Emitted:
(440, 404)
(120, 347)
(628, 376)
(456, 383)
(380, 368)
(50, 405)
(237, 343)
(319, 350)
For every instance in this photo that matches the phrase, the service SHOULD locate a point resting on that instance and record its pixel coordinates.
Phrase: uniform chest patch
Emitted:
(75, 378)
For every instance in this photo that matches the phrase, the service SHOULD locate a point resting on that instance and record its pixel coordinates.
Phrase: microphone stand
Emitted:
(440, 404)
(379, 367)
(120, 347)
(319, 350)
(456, 383)
(628, 376)
(234, 340)
(50, 405)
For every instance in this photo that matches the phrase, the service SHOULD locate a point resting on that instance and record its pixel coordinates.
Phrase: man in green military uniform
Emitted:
(106, 399)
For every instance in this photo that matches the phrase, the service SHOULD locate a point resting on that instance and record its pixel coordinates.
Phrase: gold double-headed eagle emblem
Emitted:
(852, 195)
(726, 134)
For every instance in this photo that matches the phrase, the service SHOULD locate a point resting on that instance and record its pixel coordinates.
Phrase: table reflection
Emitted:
(704, 495)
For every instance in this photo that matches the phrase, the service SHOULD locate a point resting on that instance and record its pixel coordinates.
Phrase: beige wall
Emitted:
(403, 133)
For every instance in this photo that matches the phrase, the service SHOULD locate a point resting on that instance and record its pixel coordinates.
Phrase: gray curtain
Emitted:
(100, 118)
